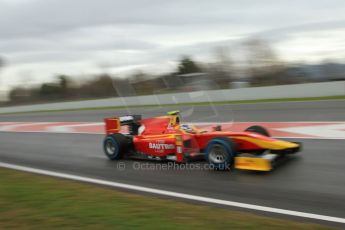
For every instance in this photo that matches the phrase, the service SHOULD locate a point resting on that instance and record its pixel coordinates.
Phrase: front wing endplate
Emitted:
(258, 163)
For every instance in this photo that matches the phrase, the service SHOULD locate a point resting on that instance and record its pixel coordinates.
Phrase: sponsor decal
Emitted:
(179, 149)
(126, 118)
(159, 146)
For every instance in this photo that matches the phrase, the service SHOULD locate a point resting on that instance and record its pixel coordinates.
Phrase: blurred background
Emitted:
(71, 50)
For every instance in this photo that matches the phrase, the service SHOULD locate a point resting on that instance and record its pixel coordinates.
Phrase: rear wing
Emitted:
(114, 124)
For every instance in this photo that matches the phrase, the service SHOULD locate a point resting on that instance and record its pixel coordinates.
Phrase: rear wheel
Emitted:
(259, 130)
(220, 153)
(115, 146)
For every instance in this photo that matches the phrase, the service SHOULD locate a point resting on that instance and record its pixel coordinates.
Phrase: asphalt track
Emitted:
(312, 181)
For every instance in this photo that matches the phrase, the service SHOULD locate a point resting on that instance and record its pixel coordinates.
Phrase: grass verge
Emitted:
(30, 201)
(191, 104)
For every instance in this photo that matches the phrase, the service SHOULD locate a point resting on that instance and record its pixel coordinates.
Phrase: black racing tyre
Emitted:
(260, 130)
(115, 146)
(220, 153)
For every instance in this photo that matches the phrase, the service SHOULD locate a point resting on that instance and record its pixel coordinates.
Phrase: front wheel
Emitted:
(220, 153)
(259, 130)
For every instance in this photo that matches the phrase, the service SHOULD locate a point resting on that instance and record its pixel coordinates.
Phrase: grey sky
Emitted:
(42, 38)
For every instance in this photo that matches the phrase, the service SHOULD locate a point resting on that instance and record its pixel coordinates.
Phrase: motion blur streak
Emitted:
(174, 194)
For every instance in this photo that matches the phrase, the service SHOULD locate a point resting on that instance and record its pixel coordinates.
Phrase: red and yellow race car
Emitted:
(165, 138)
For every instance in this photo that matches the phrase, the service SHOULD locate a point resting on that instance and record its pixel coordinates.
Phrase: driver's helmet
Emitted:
(186, 128)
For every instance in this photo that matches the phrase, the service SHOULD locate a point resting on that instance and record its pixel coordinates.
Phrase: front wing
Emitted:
(265, 161)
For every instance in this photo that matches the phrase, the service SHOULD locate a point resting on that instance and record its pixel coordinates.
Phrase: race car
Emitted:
(166, 138)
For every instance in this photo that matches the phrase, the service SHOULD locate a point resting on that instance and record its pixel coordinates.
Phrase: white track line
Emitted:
(173, 194)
